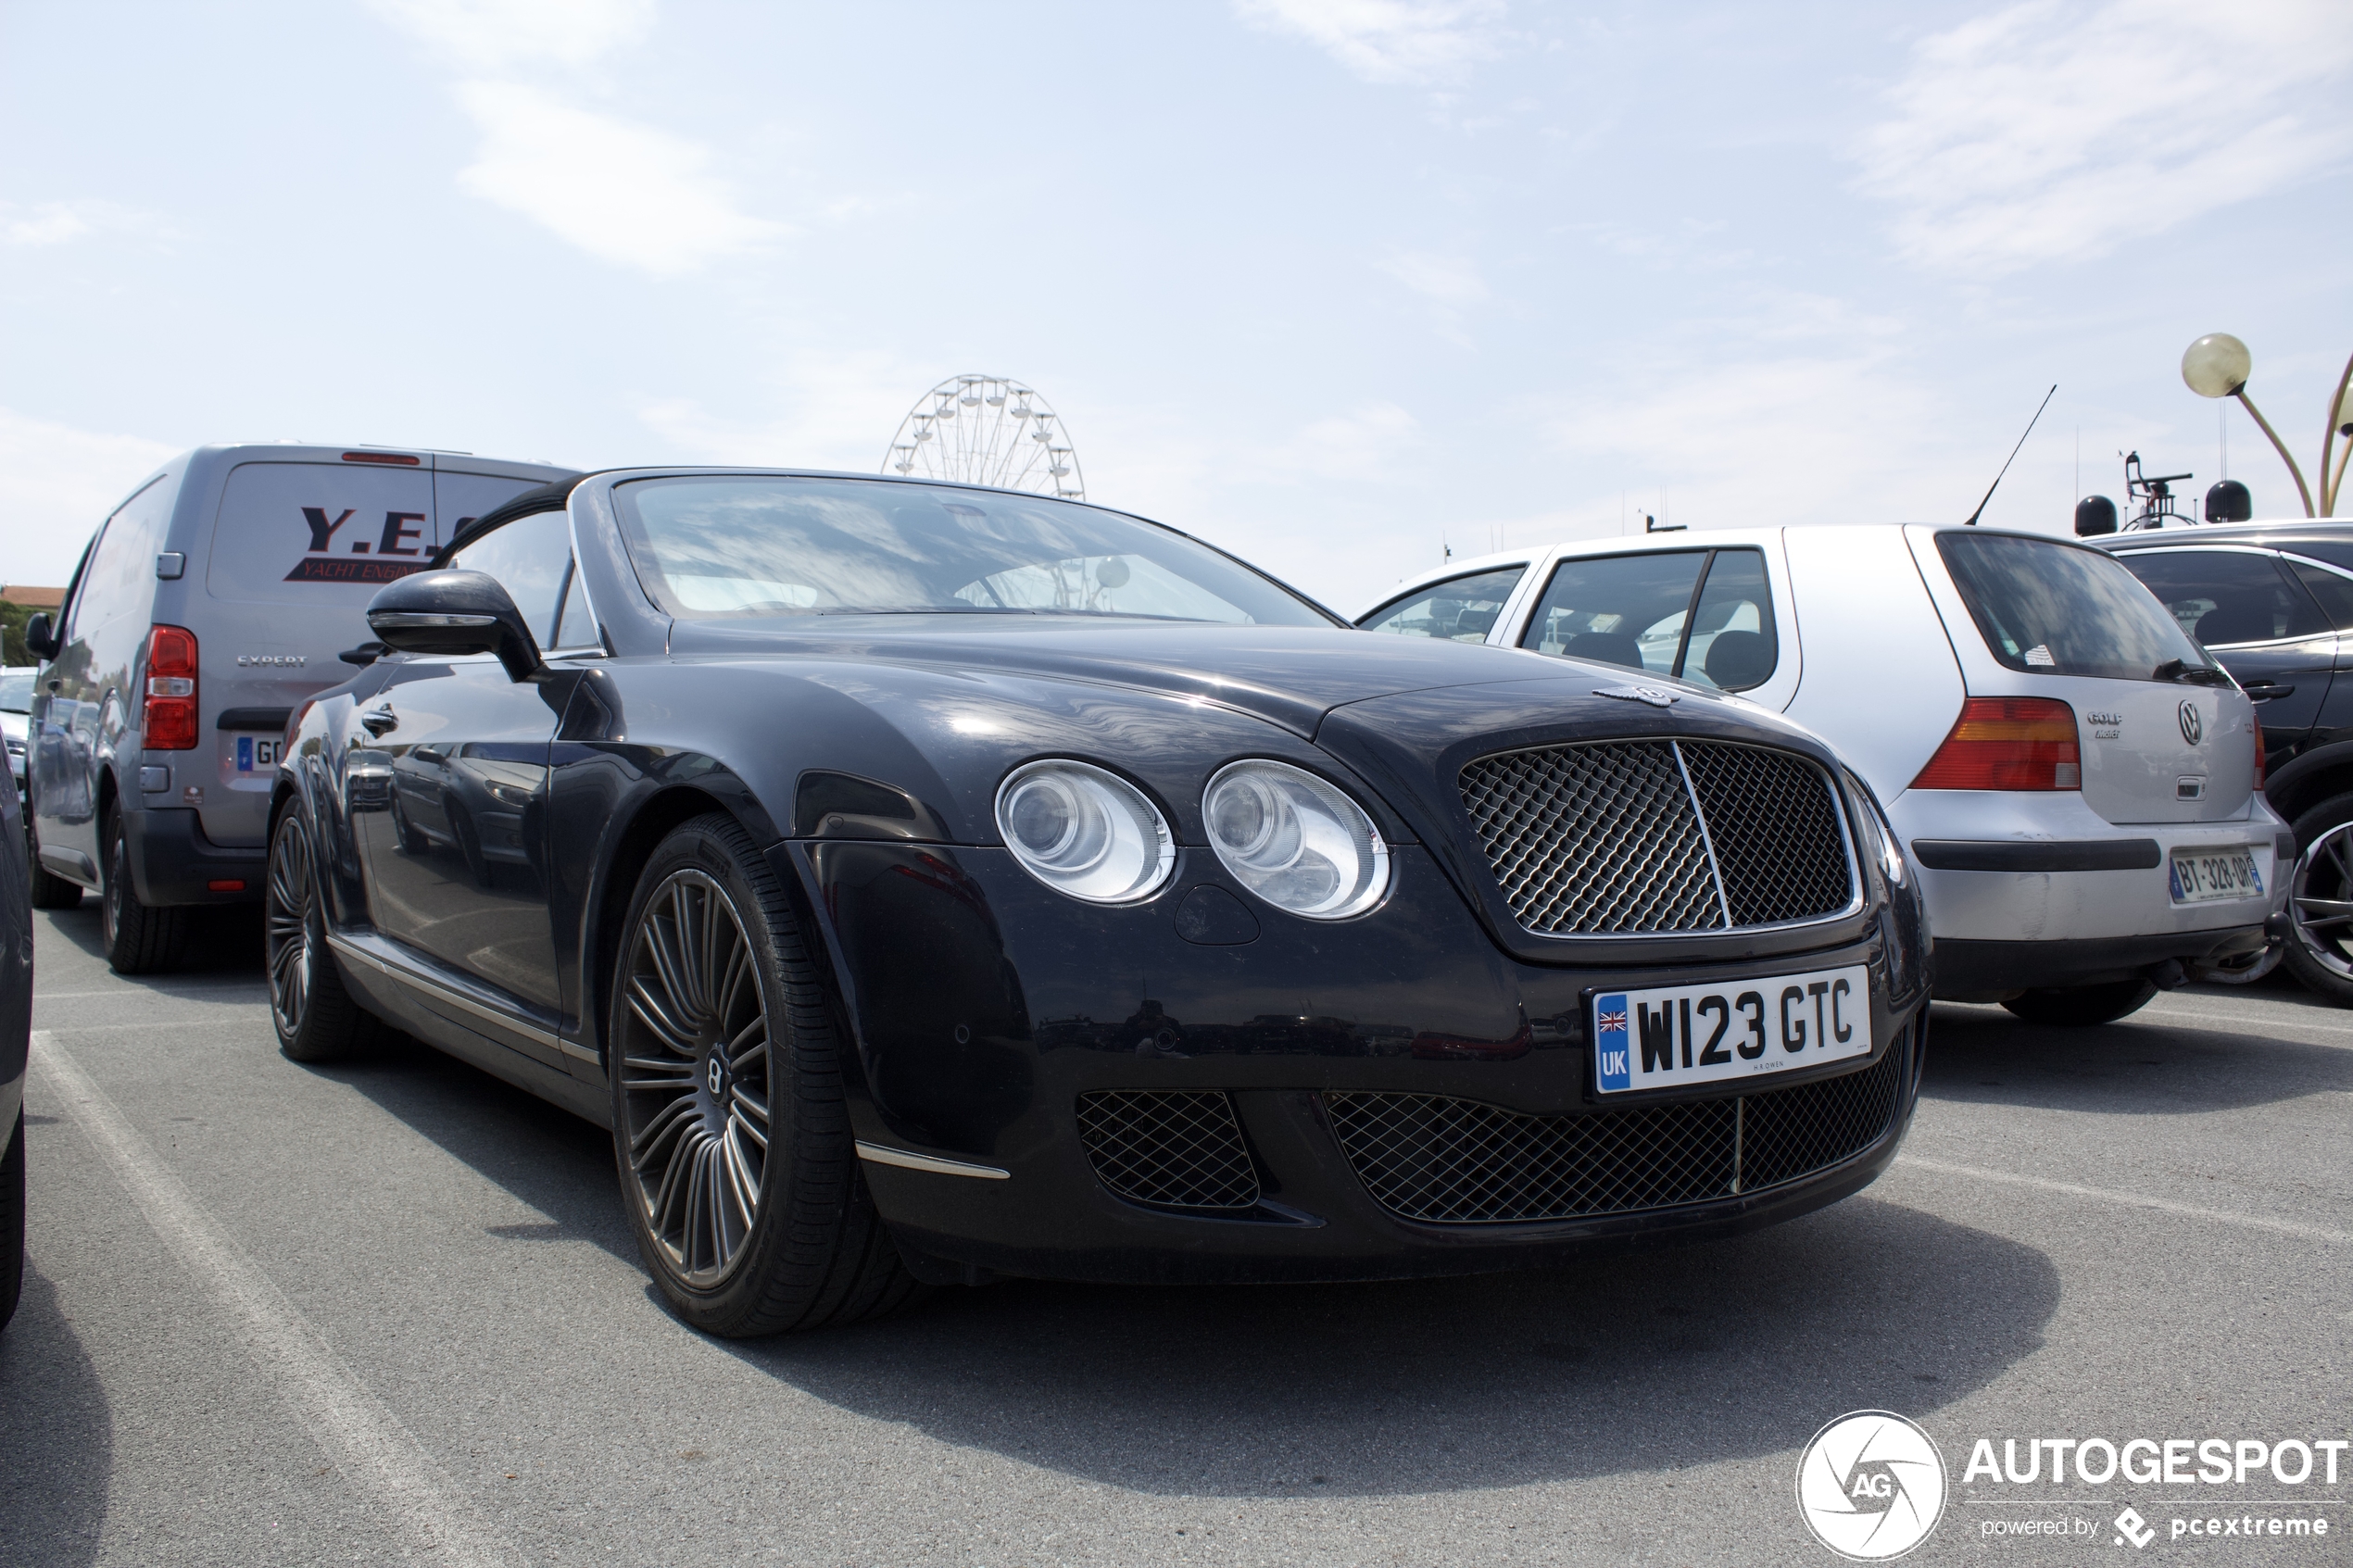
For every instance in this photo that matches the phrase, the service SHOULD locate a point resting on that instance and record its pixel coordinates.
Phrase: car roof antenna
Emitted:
(2013, 456)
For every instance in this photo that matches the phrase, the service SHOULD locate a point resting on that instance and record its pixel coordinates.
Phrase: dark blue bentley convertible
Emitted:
(927, 882)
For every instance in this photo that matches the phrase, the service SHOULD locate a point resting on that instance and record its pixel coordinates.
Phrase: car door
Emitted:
(2330, 581)
(457, 866)
(2254, 615)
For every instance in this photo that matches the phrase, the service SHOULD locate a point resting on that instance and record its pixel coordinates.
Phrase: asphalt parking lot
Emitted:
(390, 1312)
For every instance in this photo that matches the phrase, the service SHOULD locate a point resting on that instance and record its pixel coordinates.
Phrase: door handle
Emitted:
(379, 721)
(2265, 691)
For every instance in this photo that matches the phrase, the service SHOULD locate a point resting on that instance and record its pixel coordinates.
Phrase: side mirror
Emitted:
(2094, 515)
(451, 613)
(40, 638)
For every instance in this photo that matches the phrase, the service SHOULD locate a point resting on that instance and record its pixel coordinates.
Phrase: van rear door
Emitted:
(2165, 736)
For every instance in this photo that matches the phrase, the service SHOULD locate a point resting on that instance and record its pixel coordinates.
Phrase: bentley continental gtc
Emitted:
(930, 883)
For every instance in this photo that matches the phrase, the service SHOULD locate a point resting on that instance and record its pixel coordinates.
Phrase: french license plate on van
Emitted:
(1677, 1035)
(2200, 875)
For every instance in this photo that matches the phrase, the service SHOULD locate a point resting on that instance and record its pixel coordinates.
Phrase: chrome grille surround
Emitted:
(1442, 1161)
(1172, 1149)
(1652, 837)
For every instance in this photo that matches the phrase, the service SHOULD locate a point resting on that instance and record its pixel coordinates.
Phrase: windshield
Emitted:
(2061, 610)
(714, 547)
(15, 689)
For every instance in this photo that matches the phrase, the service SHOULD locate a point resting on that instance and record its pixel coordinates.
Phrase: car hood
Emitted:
(1293, 676)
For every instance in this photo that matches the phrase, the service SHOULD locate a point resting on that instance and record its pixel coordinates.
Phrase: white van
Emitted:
(2076, 779)
(208, 605)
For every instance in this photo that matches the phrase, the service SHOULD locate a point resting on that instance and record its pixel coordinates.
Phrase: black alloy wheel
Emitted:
(736, 1163)
(138, 939)
(2078, 1007)
(315, 1014)
(2319, 949)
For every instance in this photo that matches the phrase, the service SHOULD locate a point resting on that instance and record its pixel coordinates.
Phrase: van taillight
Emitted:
(170, 718)
(2007, 743)
(2257, 720)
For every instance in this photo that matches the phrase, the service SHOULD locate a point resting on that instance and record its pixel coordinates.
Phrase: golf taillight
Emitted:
(171, 717)
(2007, 743)
(2257, 720)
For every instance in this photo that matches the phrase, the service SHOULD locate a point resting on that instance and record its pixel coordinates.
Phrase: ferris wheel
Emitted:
(986, 429)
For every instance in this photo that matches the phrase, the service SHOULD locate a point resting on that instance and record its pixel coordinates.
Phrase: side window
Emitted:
(2222, 597)
(1619, 610)
(1733, 646)
(576, 628)
(121, 576)
(528, 557)
(2334, 593)
(1461, 609)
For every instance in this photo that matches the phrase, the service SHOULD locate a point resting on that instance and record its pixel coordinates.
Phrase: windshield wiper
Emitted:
(2196, 674)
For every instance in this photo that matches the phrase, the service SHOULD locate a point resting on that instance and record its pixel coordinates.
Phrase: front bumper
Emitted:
(983, 1007)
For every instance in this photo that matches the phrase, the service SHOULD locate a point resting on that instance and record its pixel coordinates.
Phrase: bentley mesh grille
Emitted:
(1619, 837)
(1458, 1162)
(1176, 1149)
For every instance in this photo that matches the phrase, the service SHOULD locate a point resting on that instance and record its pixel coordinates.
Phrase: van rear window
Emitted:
(321, 534)
(2059, 610)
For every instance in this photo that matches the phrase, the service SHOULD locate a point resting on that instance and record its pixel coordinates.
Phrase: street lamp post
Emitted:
(2217, 365)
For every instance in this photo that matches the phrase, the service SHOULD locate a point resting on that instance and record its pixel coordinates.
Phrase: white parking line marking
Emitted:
(2243, 1022)
(254, 986)
(359, 1431)
(2130, 1200)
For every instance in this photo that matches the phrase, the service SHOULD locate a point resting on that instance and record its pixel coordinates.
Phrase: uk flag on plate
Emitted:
(1613, 1061)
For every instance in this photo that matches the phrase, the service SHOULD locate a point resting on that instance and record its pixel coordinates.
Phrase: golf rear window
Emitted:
(2059, 610)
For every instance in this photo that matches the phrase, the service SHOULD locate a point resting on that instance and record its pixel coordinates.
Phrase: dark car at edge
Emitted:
(930, 883)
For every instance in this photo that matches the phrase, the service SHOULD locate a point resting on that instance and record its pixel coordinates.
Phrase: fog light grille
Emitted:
(1171, 1149)
(1459, 1162)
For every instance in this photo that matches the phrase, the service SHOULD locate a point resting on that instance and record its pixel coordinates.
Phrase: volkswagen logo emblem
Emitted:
(2192, 727)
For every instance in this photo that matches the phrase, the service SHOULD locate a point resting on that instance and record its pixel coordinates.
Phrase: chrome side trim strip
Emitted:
(458, 999)
(882, 1156)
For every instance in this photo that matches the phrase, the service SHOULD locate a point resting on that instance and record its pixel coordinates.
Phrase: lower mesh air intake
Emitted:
(1172, 1149)
(1459, 1161)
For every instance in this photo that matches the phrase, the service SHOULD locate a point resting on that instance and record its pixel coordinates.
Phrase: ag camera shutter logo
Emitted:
(1871, 1486)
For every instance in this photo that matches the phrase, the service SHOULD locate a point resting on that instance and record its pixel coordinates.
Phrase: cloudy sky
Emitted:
(1332, 283)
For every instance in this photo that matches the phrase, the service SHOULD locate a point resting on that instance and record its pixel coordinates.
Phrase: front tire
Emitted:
(2078, 1007)
(315, 1014)
(139, 939)
(2319, 948)
(738, 1167)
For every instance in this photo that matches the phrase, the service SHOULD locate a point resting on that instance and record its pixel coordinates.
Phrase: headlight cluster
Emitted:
(1291, 838)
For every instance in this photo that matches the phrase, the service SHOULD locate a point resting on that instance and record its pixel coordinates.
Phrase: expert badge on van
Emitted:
(208, 605)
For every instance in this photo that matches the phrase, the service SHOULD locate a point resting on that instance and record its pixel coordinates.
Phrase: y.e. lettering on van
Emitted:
(320, 565)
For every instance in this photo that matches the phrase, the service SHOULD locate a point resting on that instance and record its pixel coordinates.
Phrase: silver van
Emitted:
(205, 608)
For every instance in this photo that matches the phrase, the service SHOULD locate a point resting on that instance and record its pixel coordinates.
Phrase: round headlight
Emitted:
(1085, 832)
(1295, 841)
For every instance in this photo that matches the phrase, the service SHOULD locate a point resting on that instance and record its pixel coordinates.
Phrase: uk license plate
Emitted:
(1674, 1037)
(2199, 875)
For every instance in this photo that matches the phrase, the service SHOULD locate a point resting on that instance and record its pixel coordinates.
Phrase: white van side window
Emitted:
(121, 577)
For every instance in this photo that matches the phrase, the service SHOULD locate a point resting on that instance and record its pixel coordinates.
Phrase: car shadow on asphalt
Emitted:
(2144, 1065)
(1652, 1362)
(57, 1437)
(224, 943)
